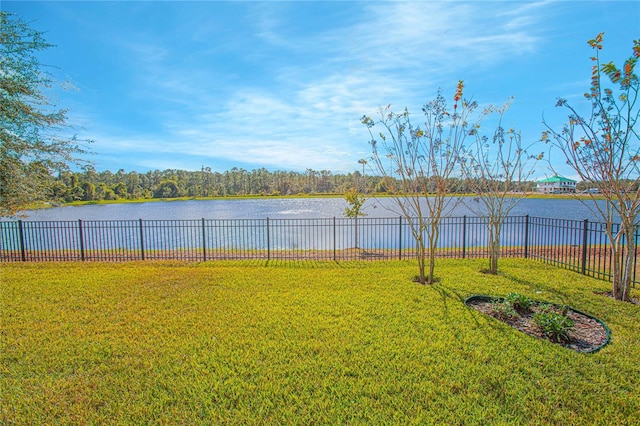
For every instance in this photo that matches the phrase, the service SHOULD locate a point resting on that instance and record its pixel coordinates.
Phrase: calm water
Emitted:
(133, 236)
(287, 208)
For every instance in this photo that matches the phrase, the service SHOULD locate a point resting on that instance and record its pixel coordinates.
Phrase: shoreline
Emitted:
(47, 205)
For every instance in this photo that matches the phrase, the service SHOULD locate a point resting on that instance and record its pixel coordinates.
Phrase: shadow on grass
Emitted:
(461, 319)
(447, 295)
(535, 287)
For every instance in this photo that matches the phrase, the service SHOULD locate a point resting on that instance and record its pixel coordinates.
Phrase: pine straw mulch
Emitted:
(587, 335)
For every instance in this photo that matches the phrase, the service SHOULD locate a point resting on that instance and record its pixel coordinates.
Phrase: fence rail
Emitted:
(581, 246)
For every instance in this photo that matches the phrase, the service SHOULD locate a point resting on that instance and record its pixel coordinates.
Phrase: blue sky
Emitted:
(282, 85)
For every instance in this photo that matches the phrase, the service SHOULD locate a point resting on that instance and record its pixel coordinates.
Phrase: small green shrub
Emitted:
(554, 325)
(518, 301)
(503, 309)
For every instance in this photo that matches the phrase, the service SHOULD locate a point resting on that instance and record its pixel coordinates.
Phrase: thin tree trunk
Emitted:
(628, 261)
(432, 267)
(616, 267)
(421, 260)
(493, 261)
(434, 234)
(494, 247)
(627, 275)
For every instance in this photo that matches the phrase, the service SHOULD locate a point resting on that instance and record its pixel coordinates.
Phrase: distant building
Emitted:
(556, 185)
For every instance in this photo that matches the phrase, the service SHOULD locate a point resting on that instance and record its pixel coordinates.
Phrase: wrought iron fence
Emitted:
(581, 246)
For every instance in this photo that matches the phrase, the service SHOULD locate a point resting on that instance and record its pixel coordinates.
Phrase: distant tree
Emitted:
(100, 191)
(88, 191)
(325, 181)
(33, 144)
(57, 191)
(354, 209)
(603, 148)
(75, 193)
(311, 180)
(496, 172)
(109, 194)
(233, 182)
(133, 185)
(167, 189)
(106, 177)
(120, 189)
(422, 161)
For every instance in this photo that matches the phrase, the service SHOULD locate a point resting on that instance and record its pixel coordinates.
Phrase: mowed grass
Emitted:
(301, 343)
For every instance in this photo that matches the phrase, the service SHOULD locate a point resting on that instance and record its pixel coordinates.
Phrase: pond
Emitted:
(199, 229)
(290, 208)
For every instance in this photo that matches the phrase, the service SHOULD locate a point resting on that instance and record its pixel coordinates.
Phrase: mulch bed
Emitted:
(588, 334)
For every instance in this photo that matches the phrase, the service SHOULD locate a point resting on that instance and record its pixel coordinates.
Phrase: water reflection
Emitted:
(283, 208)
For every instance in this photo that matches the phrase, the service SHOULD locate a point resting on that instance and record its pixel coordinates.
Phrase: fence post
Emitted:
(464, 236)
(585, 236)
(526, 236)
(81, 237)
(23, 252)
(268, 242)
(399, 237)
(141, 240)
(204, 242)
(334, 238)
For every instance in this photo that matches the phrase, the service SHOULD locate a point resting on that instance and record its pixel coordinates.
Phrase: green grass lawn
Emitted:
(301, 343)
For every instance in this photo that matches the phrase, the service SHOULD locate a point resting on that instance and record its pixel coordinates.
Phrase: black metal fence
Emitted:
(577, 245)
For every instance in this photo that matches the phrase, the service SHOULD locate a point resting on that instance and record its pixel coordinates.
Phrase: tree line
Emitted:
(91, 185)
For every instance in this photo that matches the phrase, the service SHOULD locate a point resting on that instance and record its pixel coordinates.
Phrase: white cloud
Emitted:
(306, 113)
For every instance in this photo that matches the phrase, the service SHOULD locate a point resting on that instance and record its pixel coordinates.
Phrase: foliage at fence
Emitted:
(577, 245)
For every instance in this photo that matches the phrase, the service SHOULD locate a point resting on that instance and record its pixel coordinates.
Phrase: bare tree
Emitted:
(497, 171)
(423, 159)
(603, 148)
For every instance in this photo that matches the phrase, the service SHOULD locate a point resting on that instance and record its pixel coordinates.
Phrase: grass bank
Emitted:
(301, 343)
